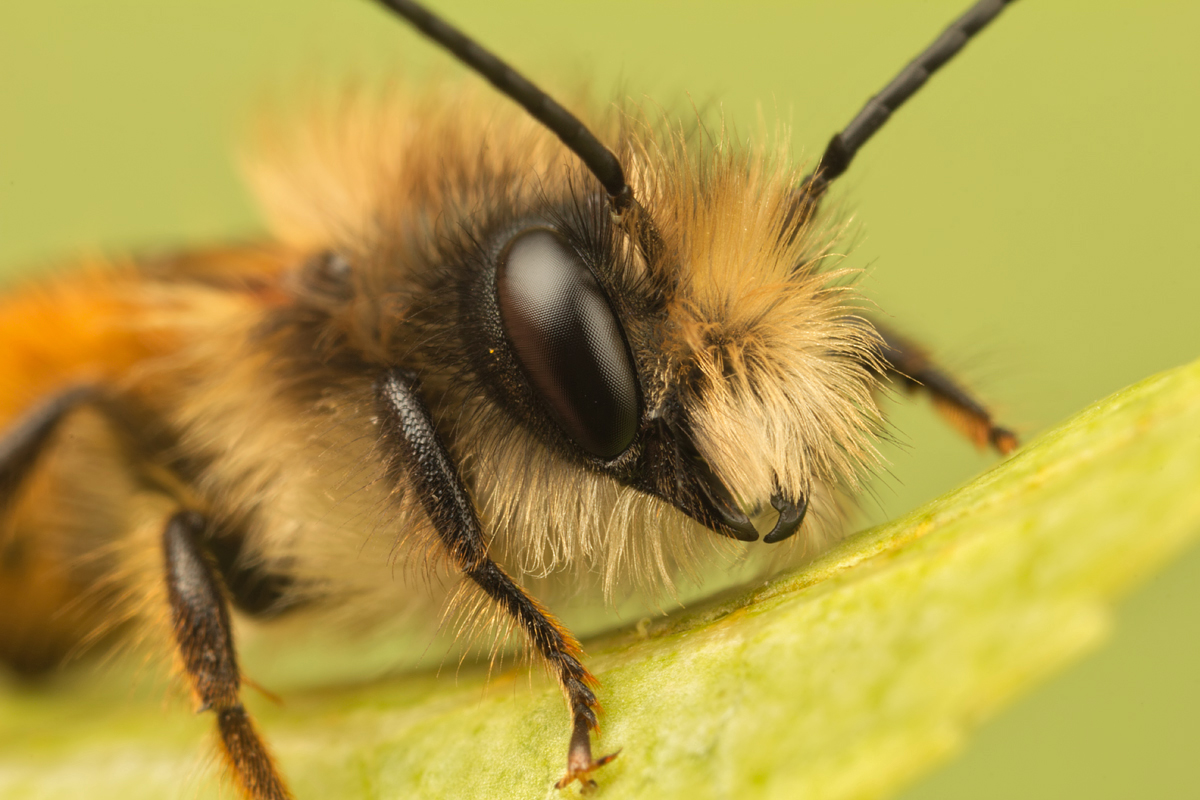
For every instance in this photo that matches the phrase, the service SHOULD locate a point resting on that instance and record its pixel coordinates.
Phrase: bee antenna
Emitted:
(566, 126)
(845, 145)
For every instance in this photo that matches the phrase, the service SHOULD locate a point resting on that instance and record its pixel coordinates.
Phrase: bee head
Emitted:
(601, 378)
(720, 371)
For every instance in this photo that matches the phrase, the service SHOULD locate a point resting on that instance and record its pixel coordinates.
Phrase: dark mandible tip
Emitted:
(791, 516)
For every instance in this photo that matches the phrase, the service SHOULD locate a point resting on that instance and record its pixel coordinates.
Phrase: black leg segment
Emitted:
(425, 463)
(23, 443)
(908, 364)
(204, 640)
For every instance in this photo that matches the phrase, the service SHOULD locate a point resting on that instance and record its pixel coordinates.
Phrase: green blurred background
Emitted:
(1031, 216)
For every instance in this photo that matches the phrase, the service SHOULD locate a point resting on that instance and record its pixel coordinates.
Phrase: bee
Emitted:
(501, 342)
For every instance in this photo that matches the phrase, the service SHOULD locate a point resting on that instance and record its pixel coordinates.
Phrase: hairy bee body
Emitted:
(256, 365)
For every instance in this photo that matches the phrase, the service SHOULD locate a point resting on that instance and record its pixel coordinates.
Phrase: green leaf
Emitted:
(843, 679)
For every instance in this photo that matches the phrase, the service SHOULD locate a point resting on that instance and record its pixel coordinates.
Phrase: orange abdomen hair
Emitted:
(85, 328)
(96, 323)
(126, 327)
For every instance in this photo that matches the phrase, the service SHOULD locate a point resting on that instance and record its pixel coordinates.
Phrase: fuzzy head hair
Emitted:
(753, 373)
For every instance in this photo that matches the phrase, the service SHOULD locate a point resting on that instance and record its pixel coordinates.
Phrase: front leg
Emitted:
(429, 468)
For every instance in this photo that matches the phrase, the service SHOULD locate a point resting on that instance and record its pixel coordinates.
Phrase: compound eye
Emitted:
(568, 341)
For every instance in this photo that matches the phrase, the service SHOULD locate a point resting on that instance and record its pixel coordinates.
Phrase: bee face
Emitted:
(686, 373)
(667, 370)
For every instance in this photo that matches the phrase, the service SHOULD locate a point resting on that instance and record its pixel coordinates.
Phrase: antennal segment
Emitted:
(565, 125)
(845, 145)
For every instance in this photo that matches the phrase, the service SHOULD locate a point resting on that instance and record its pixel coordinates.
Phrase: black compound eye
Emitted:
(568, 341)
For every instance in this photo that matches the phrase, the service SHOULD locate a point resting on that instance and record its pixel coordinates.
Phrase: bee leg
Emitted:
(25, 440)
(204, 638)
(23, 443)
(908, 363)
(428, 467)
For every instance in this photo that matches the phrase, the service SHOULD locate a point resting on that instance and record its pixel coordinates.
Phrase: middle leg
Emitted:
(204, 640)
